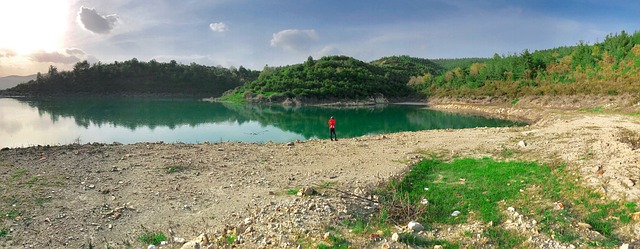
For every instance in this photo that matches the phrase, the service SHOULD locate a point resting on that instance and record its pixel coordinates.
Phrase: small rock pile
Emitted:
(285, 224)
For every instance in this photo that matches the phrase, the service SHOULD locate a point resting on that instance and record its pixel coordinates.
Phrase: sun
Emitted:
(33, 25)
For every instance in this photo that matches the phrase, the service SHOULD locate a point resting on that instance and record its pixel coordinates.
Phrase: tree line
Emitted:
(337, 77)
(608, 67)
(135, 77)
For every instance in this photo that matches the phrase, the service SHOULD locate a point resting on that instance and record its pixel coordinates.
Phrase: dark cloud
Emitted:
(91, 20)
(294, 39)
(68, 56)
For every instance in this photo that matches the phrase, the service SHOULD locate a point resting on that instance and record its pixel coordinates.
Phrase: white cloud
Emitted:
(68, 56)
(329, 50)
(92, 21)
(7, 52)
(294, 39)
(218, 27)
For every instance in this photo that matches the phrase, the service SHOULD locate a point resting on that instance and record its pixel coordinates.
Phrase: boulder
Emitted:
(415, 226)
(200, 242)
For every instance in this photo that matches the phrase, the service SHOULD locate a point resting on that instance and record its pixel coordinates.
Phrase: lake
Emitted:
(59, 121)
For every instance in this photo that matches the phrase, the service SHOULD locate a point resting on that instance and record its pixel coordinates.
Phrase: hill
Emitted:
(13, 80)
(610, 67)
(336, 78)
(134, 77)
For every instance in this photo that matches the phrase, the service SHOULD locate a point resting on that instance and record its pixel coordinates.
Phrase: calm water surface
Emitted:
(25, 122)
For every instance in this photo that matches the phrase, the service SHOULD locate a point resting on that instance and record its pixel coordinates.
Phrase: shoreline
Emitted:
(73, 195)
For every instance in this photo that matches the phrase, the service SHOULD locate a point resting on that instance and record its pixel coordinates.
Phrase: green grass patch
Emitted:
(515, 101)
(293, 191)
(597, 109)
(481, 189)
(12, 214)
(152, 238)
(358, 226)
(3, 232)
(465, 185)
(231, 239)
(335, 243)
(502, 238)
(175, 169)
(19, 173)
(236, 97)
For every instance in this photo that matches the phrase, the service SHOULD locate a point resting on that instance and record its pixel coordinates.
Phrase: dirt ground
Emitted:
(108, 195)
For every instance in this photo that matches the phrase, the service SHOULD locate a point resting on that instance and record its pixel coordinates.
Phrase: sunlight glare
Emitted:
(31, 25)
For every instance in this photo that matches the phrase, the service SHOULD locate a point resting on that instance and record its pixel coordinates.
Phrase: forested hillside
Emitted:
(133, 77)
(338, 77)
(608, 67)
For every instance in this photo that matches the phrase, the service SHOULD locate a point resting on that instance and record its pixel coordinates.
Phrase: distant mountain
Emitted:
(14, 80)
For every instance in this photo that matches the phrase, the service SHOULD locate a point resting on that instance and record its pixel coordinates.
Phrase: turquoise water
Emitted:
(26, 122)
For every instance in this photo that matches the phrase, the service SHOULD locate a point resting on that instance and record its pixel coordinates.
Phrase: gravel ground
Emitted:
(107, 195)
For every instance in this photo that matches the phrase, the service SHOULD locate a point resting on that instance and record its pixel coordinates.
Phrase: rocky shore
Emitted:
(107, 195)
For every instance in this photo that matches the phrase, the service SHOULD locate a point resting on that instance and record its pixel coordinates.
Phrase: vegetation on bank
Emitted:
(135, 77)
(468, 191)
(606, 68)
(335, 77)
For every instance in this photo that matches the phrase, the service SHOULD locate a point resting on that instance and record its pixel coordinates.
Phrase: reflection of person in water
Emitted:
(332, 129)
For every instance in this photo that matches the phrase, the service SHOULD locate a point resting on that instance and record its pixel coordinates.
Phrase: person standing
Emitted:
(332, 129)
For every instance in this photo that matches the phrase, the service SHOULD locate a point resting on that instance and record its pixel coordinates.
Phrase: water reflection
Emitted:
(28, 122)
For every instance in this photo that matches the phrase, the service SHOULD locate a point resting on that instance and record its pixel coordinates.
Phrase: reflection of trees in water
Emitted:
(308, 121)
(135, 113)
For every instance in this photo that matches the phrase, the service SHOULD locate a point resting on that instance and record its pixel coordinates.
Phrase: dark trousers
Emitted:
(332, 132)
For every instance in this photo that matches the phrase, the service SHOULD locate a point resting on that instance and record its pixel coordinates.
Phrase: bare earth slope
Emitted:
(76, 195)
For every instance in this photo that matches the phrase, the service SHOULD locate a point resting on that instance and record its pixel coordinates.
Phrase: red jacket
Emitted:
(332, 123)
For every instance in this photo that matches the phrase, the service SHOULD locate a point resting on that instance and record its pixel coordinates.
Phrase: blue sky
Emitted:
(39, 33)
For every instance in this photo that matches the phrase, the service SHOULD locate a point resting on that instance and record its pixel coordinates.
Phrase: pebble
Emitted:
(415, 226)
(395, 237)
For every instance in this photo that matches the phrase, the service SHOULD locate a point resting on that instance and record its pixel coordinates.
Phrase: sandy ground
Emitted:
(70, 196)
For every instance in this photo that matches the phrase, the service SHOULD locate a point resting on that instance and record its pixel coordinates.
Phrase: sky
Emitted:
(35, 34)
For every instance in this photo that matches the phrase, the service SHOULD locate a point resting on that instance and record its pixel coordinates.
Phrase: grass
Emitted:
(597, 109)
(236, 97)
(3, 232)
(175, 169)
(629, 137)
(152, 238)
(481, 190)
(335, 243)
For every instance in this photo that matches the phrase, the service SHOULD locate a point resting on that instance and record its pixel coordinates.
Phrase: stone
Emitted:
(522, 143)
(584, 225)
(624, 246)
(628, 182)
(415, 226)
(200, 242)
(455, 213)
(306, 191)
(395, 237)
(326, 236)
(248, 221)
